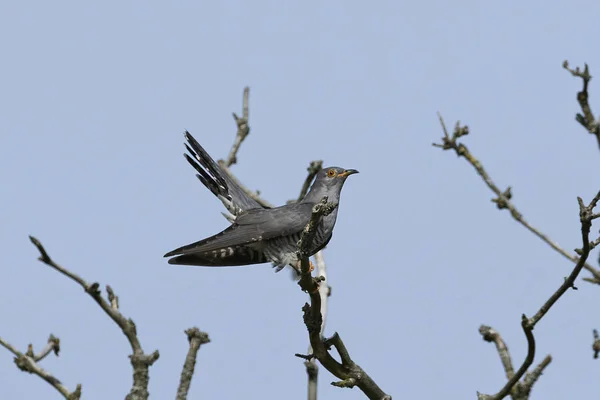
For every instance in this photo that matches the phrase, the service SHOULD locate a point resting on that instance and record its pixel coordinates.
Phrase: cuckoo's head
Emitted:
(329, 181)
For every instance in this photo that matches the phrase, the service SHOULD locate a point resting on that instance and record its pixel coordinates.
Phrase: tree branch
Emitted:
(586, 119)
(532, 377)
(312, 369)
(196, 339)
(596, 344)
(586, 216)
(503, 199)
(140, 361)
(520, 390)
(491, 335)
(349, 373)
(243, 128)
(29, 363)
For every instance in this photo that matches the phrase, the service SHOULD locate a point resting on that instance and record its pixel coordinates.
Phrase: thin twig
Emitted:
(140, 361)
(503, 199)
(113, 299)
(491, 335)
(196, 338)
(586, 216)
(522, 369)
(52, 346)
(596, 344)
(521, 390)
(313, 169)
(243, 128)
(532, 377)
(28, 363)
(586, 119)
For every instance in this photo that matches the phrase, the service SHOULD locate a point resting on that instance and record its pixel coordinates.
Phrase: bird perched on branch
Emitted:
(258, 234)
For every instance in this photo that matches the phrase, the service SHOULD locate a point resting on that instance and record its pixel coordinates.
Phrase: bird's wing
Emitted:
(253, 226)
(216, 180)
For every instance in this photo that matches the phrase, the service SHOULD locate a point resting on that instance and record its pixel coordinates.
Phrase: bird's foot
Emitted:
(298, 267)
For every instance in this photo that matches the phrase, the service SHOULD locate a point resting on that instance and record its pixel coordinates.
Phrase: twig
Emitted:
(196, 338)
(532, 377)
(520, 390)
(28, 362)
(112, 298)
(586, 216)
(313, 168)
(491, 335)
(586, 119)
(140, 361)
(596, 344)
(349, 373)
(503, 199)
(243, 129)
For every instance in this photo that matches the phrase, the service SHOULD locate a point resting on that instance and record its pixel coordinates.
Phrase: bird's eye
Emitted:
(331, 173)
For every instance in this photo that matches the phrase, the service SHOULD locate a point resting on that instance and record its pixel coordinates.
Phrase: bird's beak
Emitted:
(348, 172)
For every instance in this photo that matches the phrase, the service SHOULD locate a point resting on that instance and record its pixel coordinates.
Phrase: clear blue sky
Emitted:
(94, 100)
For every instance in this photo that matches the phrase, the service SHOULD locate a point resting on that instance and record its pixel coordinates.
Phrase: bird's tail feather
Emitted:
(209, 172)
(225, 257)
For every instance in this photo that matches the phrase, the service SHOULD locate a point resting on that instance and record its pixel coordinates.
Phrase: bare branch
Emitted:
(586, 119)
(532, 377)
(243, 129)
(526, 363)
(312, 369)
(140, 361)
(503, 199)
(112, 298)
(347, 371)
(53, 345)
(491, 335)
(586, 216)
(596, 344)
(321, 209)
(520, 390)
(313, 168)
(196, 338)
(28, 363)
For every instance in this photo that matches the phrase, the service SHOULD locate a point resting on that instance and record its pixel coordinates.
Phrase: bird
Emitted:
(257, 234)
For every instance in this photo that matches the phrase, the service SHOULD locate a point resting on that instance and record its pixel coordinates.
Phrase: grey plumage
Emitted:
(257, 234)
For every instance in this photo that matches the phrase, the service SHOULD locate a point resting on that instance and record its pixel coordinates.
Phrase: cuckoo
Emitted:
(258, 234)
